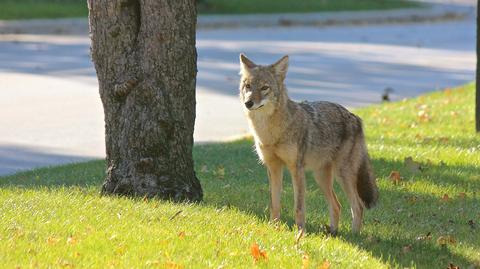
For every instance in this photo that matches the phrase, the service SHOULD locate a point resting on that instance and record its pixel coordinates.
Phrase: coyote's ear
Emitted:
(245, 64)
(280, 67)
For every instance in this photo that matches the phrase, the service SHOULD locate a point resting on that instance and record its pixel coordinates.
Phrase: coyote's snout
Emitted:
(319, 136)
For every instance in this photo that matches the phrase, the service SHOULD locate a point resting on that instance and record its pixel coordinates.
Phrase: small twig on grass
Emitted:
(176, 214)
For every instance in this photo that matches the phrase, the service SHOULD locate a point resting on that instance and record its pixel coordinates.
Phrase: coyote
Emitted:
(321, 137)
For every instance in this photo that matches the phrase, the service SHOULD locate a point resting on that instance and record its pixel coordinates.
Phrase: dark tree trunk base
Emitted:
(126, 189)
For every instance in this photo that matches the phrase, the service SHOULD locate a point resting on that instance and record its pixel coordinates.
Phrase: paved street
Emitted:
(50, 111)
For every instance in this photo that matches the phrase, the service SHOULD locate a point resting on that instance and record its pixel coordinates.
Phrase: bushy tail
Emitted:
(366, 183)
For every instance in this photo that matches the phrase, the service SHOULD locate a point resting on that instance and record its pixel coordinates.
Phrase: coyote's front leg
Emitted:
(275, 178)
(298, 180)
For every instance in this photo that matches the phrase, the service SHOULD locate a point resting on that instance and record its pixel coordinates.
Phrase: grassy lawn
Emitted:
(288, 6)
(27, 9)
(40, 9)
(54, 217)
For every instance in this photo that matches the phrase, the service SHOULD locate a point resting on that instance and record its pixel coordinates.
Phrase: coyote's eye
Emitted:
(265, 89)
(247, 86)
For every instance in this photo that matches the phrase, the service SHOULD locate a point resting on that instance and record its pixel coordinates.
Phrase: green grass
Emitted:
(28, 9)
(288, 6)
(42, 9)
(54, 217)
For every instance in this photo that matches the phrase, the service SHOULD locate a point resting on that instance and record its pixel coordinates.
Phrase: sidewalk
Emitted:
(430, 13)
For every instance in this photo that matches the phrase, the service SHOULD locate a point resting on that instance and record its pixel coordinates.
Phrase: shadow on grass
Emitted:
(391, 229)
(231, 177)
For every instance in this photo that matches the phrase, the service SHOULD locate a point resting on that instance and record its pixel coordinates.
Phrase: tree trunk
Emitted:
(477, 98)
(145, 58)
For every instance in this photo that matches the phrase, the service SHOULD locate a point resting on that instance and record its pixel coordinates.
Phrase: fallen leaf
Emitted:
(412, 165)
(257, 253)
(445, 198)
(427, 139)
(452, 266)
(445, 240)
(71, 240)
(153, 263)
(423, 116)
(52, 240)
(181, 234)
(66, 264)
(305, 261)
(444, 139)
(462, 195)
(395, 177)
(172, 265)
(428, 236)
(325, 265)
(406, 248)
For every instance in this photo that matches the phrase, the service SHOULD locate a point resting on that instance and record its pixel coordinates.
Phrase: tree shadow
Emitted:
(14, 158)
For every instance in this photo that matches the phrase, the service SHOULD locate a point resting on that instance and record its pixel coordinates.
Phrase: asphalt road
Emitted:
(50, 111)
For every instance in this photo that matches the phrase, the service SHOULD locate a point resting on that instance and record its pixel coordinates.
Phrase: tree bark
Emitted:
(145, 58)
(477, 98)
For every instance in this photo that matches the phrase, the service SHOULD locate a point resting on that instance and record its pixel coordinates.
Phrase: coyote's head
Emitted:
(261, 87)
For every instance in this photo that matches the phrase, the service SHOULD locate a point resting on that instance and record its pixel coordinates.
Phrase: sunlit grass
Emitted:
(54, 217)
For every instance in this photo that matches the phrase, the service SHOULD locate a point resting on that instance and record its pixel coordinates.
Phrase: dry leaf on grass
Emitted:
(305, 261)
(428, 236)
(52, 240)
(445, 198)
(181, 235)
(445, 240)
(395, 177)
(325, 265)
(407, 248)
(71, 240)
(257, 253)
(172, 265)
(452, 266)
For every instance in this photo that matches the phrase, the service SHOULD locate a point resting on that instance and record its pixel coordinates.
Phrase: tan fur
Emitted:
(321, 137)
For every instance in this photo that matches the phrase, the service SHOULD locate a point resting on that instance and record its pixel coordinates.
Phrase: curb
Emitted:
(430, 13)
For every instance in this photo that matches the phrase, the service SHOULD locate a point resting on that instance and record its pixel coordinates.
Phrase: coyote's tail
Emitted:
(366, 183)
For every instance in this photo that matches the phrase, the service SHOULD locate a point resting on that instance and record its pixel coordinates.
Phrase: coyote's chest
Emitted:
(264, 130)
